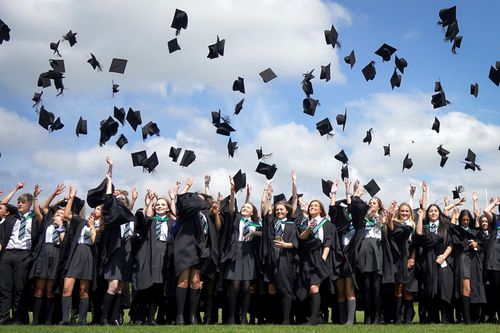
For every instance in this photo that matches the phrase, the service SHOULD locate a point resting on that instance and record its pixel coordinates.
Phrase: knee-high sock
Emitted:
(351, 311)
(180, 297)
(37, 309)
(83, 308)
(408, 311)
(194, 299)
(66, 305)
(233, 293)
(49, 310)
(245, 300)
(466, 309)
(315, 305)
(116, 307)
(286, 306)
(342, 312)
(107, 303)
(209, 304)
(398, 310)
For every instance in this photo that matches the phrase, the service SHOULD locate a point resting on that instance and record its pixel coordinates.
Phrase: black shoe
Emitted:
(193, 320)
(179, 320)
(152, 323)
(63, 323)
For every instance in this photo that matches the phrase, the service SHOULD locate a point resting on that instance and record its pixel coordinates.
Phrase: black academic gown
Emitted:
(401, 251)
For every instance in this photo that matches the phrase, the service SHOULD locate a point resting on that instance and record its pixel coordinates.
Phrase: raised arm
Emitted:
(46, 203)
(457, 203)
(420, 228)
(455, 215)
(9, 195)
(110, 165)
(475, 209)
(232, 208)
(347, 184)
(36, 206)
(487, 210)
(413, 189)
(135, 195)
(215, 211)
(68, 214)
(207, 184)
(424, 199)
(390, 215)
(294, 191)
(149, 202)
(189, 183)
(265, 200)
(173, 198)
(249, 193)
(333, 192)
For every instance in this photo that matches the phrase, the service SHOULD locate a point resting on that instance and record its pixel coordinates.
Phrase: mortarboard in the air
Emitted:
(188, 158)
(372, 188)
(437, 86)
(278, 198)
(325, 73)
(118, 65)
(37, 98)
(43, 80)
(216, 118)
(331, 37)
(58, 83)
(326, 186)
(439, 100)
(122, 141)
(174, 153)
(342, 157)
(395, 79)
(119, 114)
(240, 181)
(150, 129)
(457, 191)
(173, 45)
(94, 63)
(267, 75)
(57, 125)
(407, 162)
(180, 21)
(401, 64)
(342, 119)
(447, 16)
(45, 118)
(114, 89)
(369, 71)
(441, 151)
(239, 106)
(309, 105)
(471, 156)
(81, 127)
(95, 196)
(443, 161)
(224, 128)
(134, 118)
(70, 36)
(109, 128)
(4, 32)
(474, 89)
(57, 65)
(344, 172)
(266, 169)
(387, 150)
(139, 157)
(494, 75)
(239, 85)
(436, 125)
(368, 137)
(470, 161)
(457, 42)
(54, 46)
(385, 51)
(231, 147)
(217, 49)
(324, 127)
(150, 163)
(308, 76)
(350, 59)
(451, 31)
(307, 88)
(261, 155)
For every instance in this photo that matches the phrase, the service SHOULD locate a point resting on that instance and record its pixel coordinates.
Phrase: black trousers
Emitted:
(14, 267)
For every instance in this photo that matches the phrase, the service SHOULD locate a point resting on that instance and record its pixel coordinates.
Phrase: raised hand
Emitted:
(424, 187)
(207, 180)
(249, 189)
(231, 183)
(294, 176)
(475, 197)
(37, 191)
(109, 160)
(189, 182)
(59, 189)
(413, 188)
(19, 185)
(72, 192)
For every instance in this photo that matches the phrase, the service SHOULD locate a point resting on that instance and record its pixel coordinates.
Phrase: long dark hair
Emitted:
(322, 211)
(444, 222)
(289, 209)
(464, 213)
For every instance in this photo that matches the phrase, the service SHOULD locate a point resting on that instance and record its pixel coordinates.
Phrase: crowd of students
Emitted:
(183, 256)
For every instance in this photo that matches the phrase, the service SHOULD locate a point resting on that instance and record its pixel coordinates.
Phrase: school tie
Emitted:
(126, 231)
(22, 226)
(55, 236)
(433, 226)
(278, 229)
(204, 222)
(246, 228)
(86, 233)
(158, 229)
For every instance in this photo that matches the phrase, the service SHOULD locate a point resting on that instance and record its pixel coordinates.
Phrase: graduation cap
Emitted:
(474, 89)
(94, 63)
(216, 118)
(57, 65)
(309, 105)
(239, 106)
(180, 21)
(324, 127)
(342, 157)
(307, 88)
(457, 41)
(395, 79)
(119, 114)
(436, 125)
(278, 198)
(122, 141)
(150, 163)
(261, 155)
(150, 129)
(134, 118)
(216, 49)
(224, 128)
(494, 75)
(188, 158)
(325, 73)
(437, 86)
(331, 37)
(118, 65)
(369, 71)
(239, 85)
(95, 196)
(447, 16)
(109, 128)
(54, 46)
(441, 151)
(350, 59)
(267, 75)
(173, 45)
(266, 169)
(45, 118)
(37, 98)
(372, 188)
(457, 191)
(139, 157)
(57, 125)
(81, 127)
(76, 207)
(439, 100)
(308, 76)
(368, 137)
(387, 150)
(326, 186)
(470, 161)
(407, 163)
(471, 156)
(43, 80)
(4, 32)
(70, 37)
(114, 88)
(344, 172)
(451, 31)
(385, 51)
(58, 83)
(240, 181)
(443, 161)
(231, 147)
(174, 153)
(401, 64)
(342, 119)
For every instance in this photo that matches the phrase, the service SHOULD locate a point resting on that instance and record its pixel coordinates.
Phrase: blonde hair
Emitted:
(412, 217)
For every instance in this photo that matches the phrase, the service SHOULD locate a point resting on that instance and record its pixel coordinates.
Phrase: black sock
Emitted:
(107, 303)
(151, 312)
(351, 311)
(466, 309)
(408, 311)
(83, 308)
(233, 293)
(315, 305)
(398, 315)
(66, 306)
(49, 310)
(342, 312)
(194, 299)
(245, 301)
(115, 316)
(180, 297)
(37, 309)
(209, 303)
(286, 306)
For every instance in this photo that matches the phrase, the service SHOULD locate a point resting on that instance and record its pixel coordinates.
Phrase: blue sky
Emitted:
(179, 90)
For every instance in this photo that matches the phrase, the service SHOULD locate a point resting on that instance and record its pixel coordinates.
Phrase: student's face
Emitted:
(404, 212)
(23, 206)
(314, 209)
(281, 211)
(98, 212)
(465, 221)
(246, 210)
(3, 211)
(433, 213)
(484, 223)
(59, 213)
(121, 198)
(161, 207)
(58, 220)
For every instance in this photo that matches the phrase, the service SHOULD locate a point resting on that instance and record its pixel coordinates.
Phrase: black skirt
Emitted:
(158, 261)
(81, 266)
(243, 267)
(370, 256)
(493, 263)
(119, 266)
(313, 269)
(45, 266)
